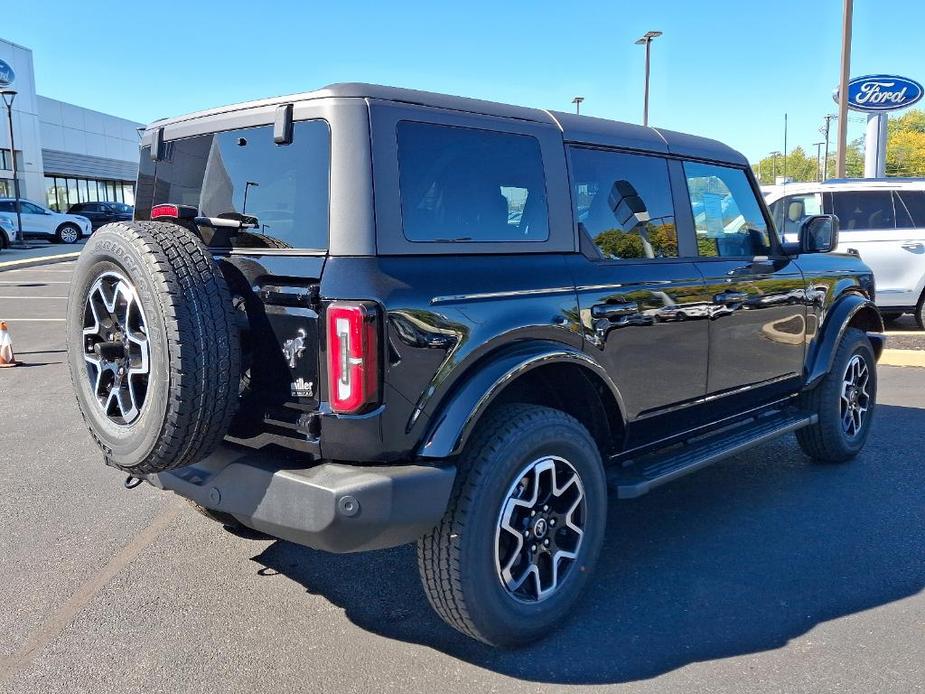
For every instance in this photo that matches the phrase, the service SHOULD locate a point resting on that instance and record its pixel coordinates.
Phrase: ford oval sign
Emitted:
(7, 75)
(882, 93)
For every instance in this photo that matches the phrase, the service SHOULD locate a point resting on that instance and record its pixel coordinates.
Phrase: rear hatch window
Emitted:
(285, 187)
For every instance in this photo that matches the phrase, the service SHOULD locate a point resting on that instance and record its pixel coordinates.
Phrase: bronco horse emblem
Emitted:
(293, 349)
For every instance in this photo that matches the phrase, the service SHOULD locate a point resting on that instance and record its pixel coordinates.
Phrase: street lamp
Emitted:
(577, 101)
(8, 96)
(646, 40)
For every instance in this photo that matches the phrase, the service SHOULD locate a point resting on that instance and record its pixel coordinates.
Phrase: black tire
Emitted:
(920, 312)
(827, 440)
(191, 389)
(68, 233)
(457, 560)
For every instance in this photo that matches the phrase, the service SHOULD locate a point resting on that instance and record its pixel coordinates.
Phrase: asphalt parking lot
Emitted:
(763, 573)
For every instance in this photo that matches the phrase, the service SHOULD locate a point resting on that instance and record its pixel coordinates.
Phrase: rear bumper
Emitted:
(330, 506)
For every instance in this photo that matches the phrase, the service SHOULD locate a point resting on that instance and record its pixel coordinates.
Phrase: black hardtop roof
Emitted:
(575, 128)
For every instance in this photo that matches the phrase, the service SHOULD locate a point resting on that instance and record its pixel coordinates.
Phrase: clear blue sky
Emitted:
(727, 69)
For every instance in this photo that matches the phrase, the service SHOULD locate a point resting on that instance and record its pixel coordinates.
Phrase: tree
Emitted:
(905, 154)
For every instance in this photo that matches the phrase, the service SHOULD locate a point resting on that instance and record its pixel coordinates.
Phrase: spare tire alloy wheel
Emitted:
(540, 529)
(153, 346)
(116, 347)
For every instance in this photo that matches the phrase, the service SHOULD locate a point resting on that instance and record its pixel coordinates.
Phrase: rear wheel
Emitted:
(523, 528)
(844, 402)
(68, 233)
(153, 347)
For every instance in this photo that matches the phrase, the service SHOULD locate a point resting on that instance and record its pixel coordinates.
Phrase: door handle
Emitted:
(624, 308)
(730, 298)
(912, 245)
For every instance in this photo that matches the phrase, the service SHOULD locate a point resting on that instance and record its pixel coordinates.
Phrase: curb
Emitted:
(41, 260)
(902, 357)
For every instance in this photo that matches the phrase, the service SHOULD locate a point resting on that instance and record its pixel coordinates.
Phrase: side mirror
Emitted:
(819, 234)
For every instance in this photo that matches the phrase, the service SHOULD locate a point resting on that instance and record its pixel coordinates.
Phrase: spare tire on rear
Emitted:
(153, 346)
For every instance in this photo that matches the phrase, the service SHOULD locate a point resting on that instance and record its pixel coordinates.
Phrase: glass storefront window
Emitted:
(62, 192)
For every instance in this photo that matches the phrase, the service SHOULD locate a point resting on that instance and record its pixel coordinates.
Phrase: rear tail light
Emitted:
(171, 211)
(353, 356)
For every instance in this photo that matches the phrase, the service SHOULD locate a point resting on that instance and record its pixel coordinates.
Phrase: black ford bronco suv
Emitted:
(365, 316)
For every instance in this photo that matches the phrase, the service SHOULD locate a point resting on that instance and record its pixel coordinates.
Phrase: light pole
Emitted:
(818, 146)
(8, 96)
(577, 101)
(774, 156)
(843, 90)
(646, 40)
(247, 186)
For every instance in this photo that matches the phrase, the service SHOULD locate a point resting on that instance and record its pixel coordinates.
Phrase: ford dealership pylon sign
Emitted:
(875, 93)
(7, 75)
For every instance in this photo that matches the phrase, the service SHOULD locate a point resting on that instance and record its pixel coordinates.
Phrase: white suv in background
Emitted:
(41, 223)
(882, 219)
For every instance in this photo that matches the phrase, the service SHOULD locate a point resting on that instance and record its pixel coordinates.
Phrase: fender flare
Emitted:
(451, 427)
(821, 353)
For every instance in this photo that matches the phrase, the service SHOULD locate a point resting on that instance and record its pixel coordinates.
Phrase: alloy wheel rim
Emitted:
(855, 396)
(69, 235)
(540, 529)
(116, 350)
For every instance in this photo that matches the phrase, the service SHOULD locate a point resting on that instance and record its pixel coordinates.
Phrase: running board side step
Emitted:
(635, 478)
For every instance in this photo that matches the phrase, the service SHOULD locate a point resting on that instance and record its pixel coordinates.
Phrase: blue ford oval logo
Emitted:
(7, 74)
(882, 93)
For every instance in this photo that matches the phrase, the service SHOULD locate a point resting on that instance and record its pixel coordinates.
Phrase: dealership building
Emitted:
(65, 153)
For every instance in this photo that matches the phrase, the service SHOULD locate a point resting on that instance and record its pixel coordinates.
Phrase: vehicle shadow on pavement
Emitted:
(736, 559)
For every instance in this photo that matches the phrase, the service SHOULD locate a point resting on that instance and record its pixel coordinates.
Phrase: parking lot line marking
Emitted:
(33, 297)
(900, 333)
(59, 621)
(16, 282)
(34, 320)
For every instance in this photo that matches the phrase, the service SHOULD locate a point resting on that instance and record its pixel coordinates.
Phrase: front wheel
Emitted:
(844, 402)
(67, 233)
(523, 528)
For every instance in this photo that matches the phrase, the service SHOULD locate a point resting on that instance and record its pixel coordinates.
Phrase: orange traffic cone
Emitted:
(6, 347)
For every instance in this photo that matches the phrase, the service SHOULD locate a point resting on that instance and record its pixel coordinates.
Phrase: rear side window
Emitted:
(623, 203)
(470, 185)
(285, 187)
(863, 210)
(913, 201)
(727, 216)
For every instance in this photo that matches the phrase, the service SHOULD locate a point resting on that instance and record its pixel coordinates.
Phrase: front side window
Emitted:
(470, 185)
(863, 210)
(727, 216)
(790, 212)
(623, 203)
(30, 208)
(244, 173)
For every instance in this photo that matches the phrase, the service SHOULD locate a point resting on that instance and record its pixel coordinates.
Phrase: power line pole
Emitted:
(577, 101)
(840, 170)
(818, 146)
(785, 147)
(825, 129)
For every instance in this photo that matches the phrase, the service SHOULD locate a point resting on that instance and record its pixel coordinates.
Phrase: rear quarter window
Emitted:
(470, 185)
(285, 187)
(863, 210)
